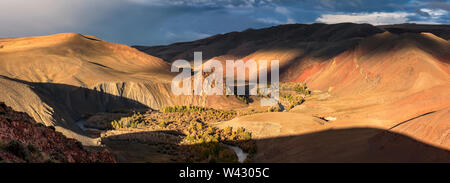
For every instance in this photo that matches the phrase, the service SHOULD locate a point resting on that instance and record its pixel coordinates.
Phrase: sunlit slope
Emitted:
(387, 78)
(60, 78)
(74, 59)
(395, 82)
(315, 38)
(371, 76)
(382, 81)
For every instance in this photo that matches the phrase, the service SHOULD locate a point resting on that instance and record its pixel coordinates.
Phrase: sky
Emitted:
(161, 22)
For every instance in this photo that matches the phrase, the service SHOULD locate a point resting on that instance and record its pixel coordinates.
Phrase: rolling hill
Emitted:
(393, 78)
(382, 86)
(60, 78)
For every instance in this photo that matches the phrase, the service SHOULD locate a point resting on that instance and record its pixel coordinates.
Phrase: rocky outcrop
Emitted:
(24, 140)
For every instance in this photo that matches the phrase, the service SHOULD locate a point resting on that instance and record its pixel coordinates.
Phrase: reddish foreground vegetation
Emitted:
(24, 140)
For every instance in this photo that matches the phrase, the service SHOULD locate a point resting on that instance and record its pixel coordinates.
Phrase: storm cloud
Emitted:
(153, 22)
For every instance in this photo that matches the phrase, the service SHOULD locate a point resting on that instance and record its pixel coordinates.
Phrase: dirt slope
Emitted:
(383, 87)
(382, 81)
(85, 60)
(386, 79)
(60, 78)
(237, 45)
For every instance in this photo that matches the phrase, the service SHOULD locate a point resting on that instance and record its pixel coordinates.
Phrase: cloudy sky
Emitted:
(156, 22)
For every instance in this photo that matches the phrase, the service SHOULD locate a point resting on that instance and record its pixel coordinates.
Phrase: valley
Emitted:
(348, 93)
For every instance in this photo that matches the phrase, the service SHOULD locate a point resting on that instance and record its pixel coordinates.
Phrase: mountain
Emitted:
(320, 40)
(387, 85)
(59, 79)
(393, 77)
(237, 45)
(442, 31)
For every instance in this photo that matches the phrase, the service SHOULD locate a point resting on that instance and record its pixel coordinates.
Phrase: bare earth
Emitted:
(378, 96)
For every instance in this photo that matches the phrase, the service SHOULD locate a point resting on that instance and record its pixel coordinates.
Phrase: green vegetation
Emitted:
(293, 94)
(204, 142)
(29, 153)
(17, 148)
(188, 108)
(207, 142)
(162, 124)
(274, 108)
(175, 115)
(201, 113)
(293, 100)
(134, 121)
(243, 98)
(201, 142)
(302, 89)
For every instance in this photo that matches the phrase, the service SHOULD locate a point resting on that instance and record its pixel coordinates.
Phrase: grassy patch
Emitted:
(293, 100)
(302, 89)
(199, 141)
(134, 121)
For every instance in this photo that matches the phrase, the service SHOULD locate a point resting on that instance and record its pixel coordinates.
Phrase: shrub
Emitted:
(227, 156)
(199, 113)
(189, 108)
(32, 148)
(134, 121)
(162, 124)
(243, 98)
(293, 100)
(252, 149)
(274, 109)
(302, 89)
(35, 153)
(228, 130)
(241, 134)
(79, 145)
(17, 148)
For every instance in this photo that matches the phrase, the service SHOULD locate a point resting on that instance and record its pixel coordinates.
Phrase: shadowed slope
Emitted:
(360, 75)
(442, 31)
(341, 145)
(348, 145)
(237, 45)
(433, 128)
(58, 78)
(22, 140)
(86, 61)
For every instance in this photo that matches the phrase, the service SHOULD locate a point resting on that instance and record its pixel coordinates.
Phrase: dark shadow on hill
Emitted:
(72, 103)
(442, 31)
(318, 41)
(154, 147)
(325, 40)
(342, 145)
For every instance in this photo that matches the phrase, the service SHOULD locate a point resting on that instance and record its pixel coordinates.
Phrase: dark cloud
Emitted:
(422, 13)
(153, 22)
(440, 5)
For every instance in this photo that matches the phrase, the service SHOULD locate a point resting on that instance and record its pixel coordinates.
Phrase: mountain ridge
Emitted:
(360, 76)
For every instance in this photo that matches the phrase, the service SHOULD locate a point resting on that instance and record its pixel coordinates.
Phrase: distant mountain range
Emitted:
(391, 77)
